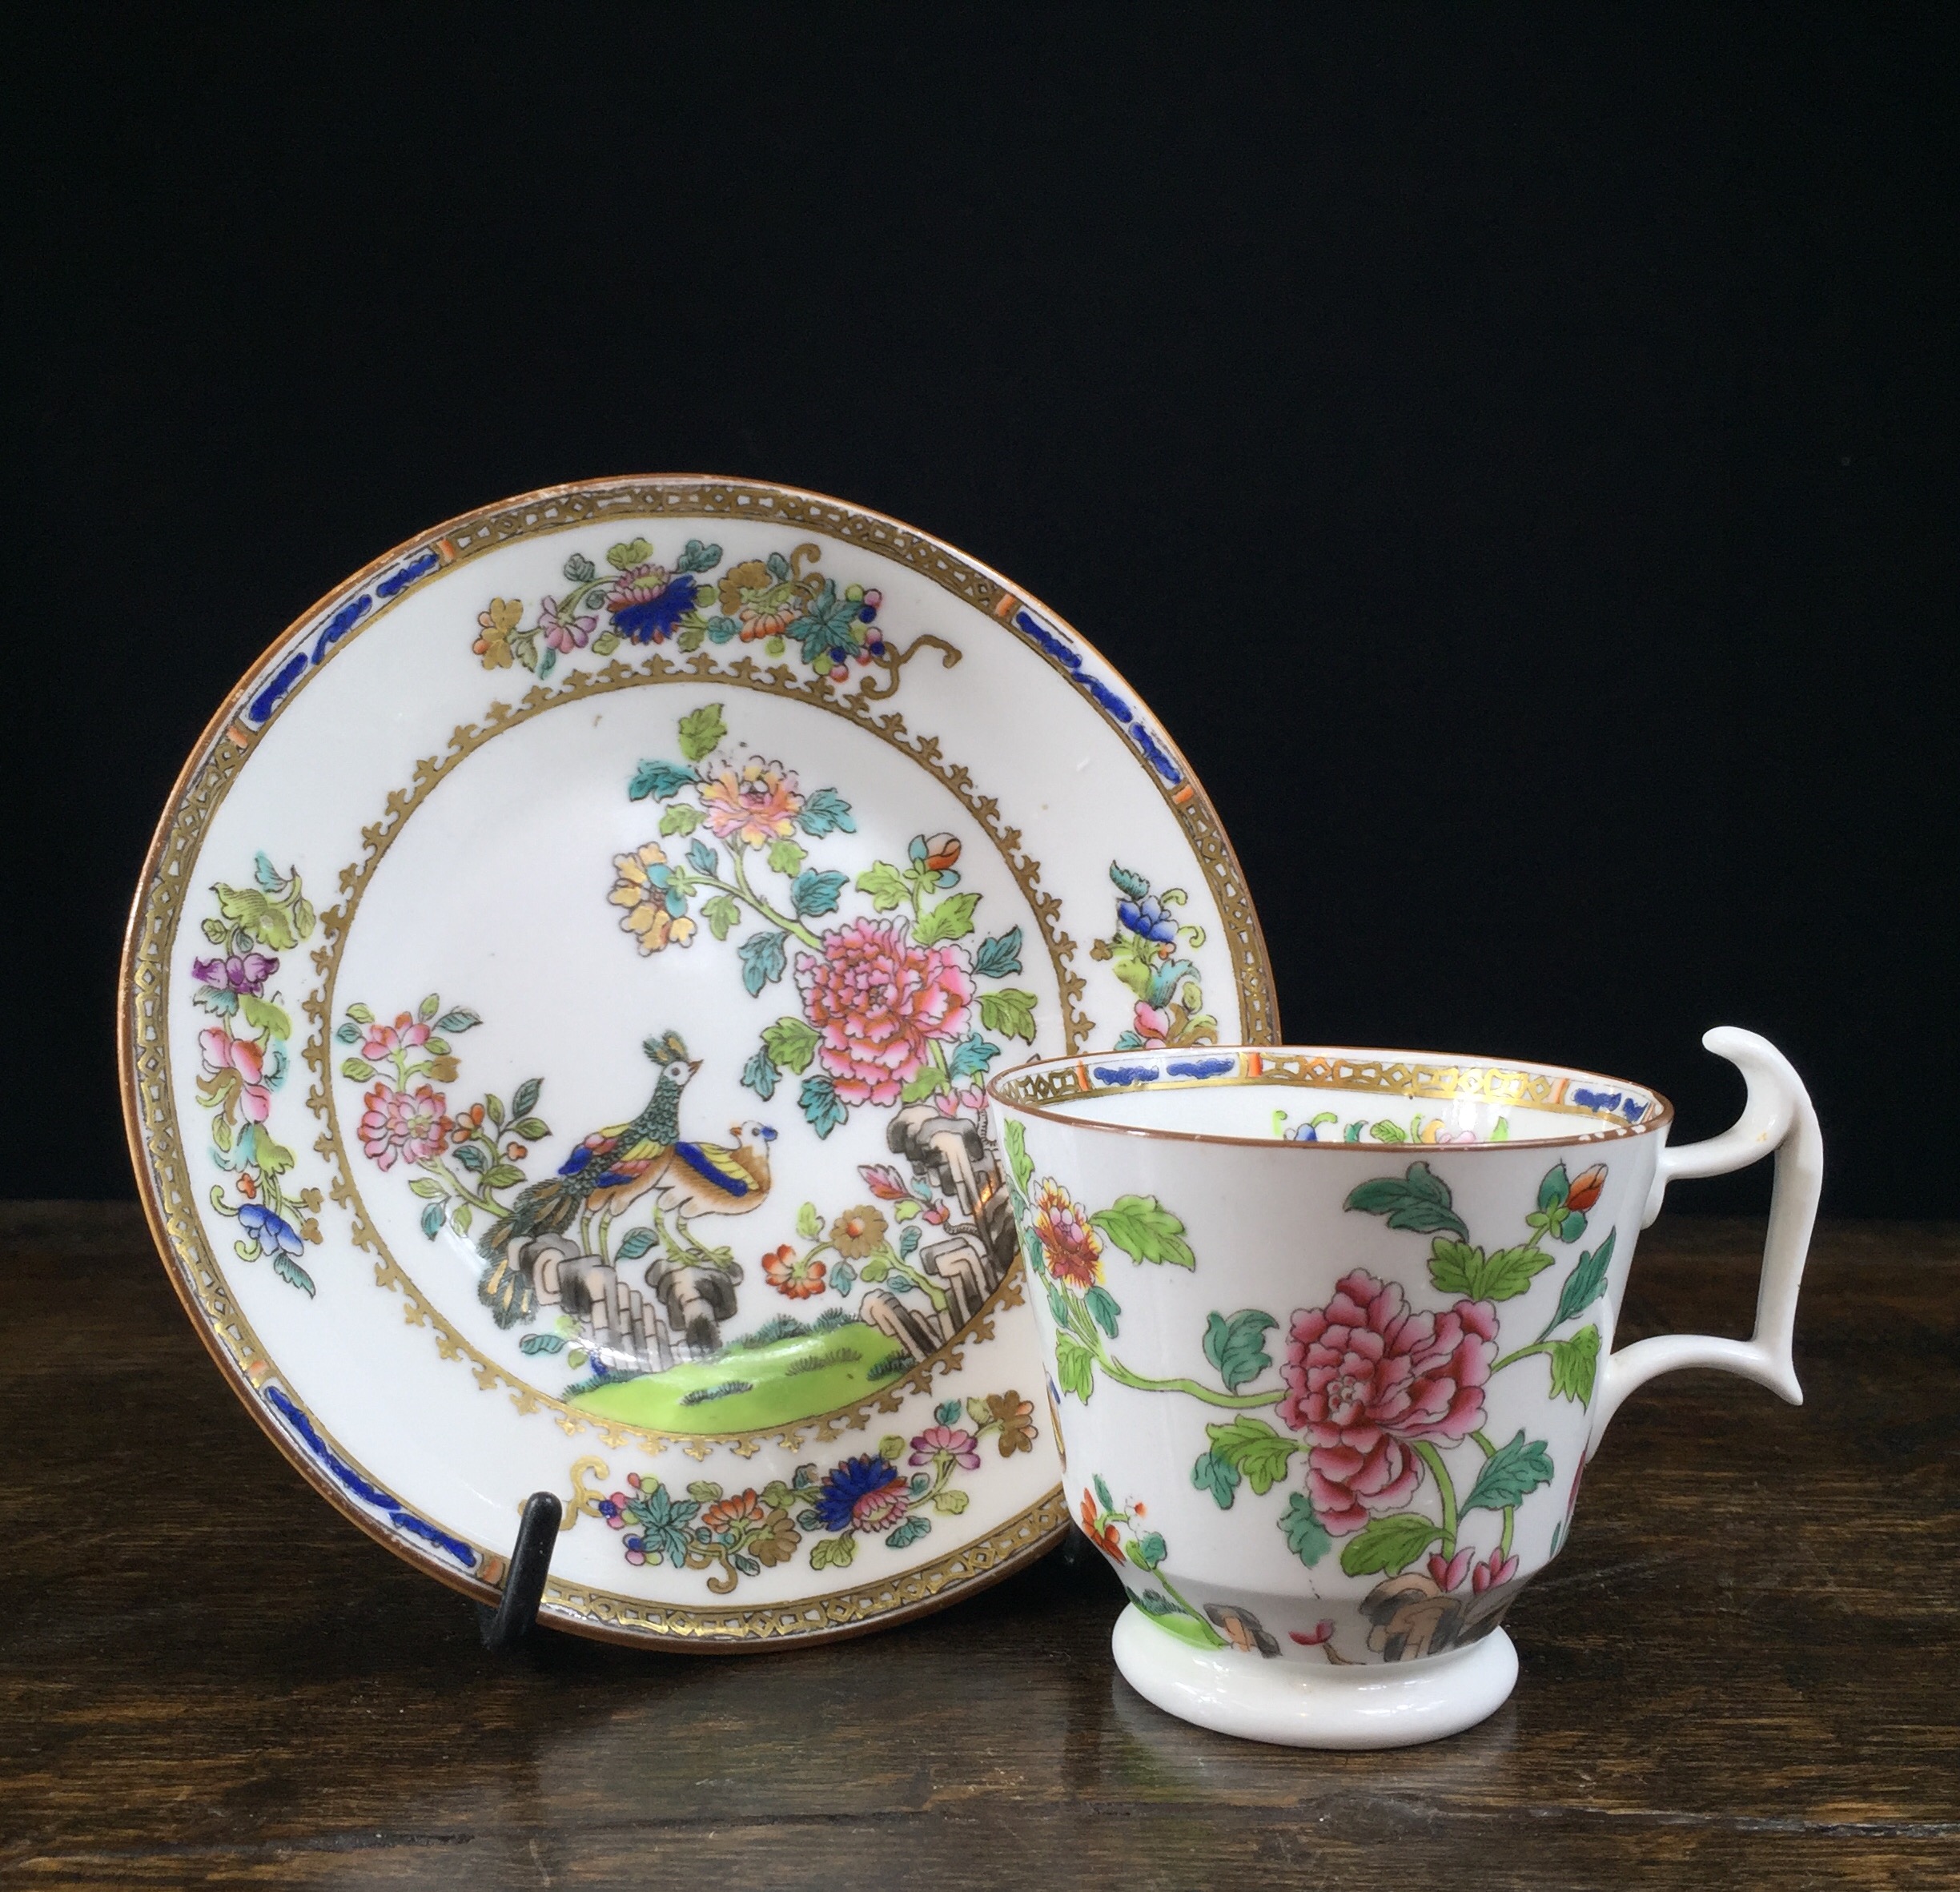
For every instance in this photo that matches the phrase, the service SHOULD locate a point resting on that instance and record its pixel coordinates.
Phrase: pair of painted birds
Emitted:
(613, 1170)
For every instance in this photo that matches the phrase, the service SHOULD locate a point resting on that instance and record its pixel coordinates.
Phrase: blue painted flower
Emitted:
(862, 1494)
(648, 602)
(271, 1231)
(1147, 919)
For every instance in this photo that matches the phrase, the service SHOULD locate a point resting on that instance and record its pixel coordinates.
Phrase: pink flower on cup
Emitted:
(1370, 1379)
(400, 1124)
(1447, 1573)
(1495, 1569)
(223, 1052)
(963, 1446)
(879, 1001)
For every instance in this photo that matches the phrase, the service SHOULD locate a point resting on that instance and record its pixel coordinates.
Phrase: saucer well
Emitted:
(554, 1016)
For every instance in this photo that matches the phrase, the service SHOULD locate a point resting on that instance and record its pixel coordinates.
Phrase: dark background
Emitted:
(1514, 452)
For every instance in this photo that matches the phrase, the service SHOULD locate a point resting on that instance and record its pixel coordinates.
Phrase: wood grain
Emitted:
(1742, 1672)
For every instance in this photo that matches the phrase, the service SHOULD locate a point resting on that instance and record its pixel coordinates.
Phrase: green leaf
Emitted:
(679, 819)
(493, 1109)
(809, 1224)
(1010, 1011)
(1574, 1362)
(217, 932)
(1000, 956)
(702, 732)
(1019, 1165)
(460, 1218)
(1074, 1367)
(1218, 1476)
(263, 1015)
(953, 1503)
(1237, 1347)
(1456, 1267)
(812, 892)
(605, 644)
(358, 1069)
(663, 781)
(829, 1553)
(1553, 1187)
(720, 913)
(1104, 1497)
(1388, 1544)
(924, 1083)
(1385, 1132)
(504, 1175)
(273, 1158)
(1307, 1537)
(764, 960)
(426, 1186)
(1146, 1231)
(785, 857)
(629, 552)
(1418, 1200)
(428, 1008)
(951, 918)
(792, 1043)
(1104, 1308)
(1148, 1552)
(580, 569)
(1509, 1474)
(884, 884)
(1251, 1447)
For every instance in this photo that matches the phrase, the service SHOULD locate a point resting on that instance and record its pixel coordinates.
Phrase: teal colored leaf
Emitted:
(1420, 1200)
(1000, 956)
(1058, 1307)
(822, 1109)
(523, 1100)
(432, 1218)
(764, 960)
(291, 1272)
(459, 1018)
(1218, 1476)
(760, 1074)
(950, 1413)
(1586, 1282)
(1554, 1187)
(826, 812)
(1574, 1362)
(703, 858)
(1148, 1552)
(1237, 1347)
(812, 892)
(1146, 1231)
(1133, 887)
(1251, 1448)
(1103, 1309)
(1388, 1544)
(635, 1244)
(580, 569)
(1569, 1224)
(843, 1277)
(537, 1343)
(698, 557)
(1307, 1537)
(1103, 1497)
(971, 1056)
(660, 780)
(1511, 1472)
(909, 1532)
(348, 1034)
(1009, 1012)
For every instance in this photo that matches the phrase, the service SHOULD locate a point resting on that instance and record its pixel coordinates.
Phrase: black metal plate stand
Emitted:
(507, 1626)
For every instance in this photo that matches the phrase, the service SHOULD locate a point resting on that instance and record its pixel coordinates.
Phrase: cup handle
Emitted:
(1778, 1115)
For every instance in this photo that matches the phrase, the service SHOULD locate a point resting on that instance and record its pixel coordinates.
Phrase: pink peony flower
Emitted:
(879, 1001)
(754, 807)
(223, 1052)
(400, 1123)
(1369, 1378)
(937, 1439)
(1069, 1245)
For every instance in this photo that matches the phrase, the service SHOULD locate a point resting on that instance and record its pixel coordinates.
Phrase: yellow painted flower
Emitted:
(755, 807)
(858, 1232)
(496, 624)
(640, 888)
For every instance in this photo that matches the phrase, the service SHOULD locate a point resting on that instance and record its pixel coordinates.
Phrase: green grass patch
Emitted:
(794, 1378)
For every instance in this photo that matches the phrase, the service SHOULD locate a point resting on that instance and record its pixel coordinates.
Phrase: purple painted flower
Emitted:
(957, 1443)
(248, 973)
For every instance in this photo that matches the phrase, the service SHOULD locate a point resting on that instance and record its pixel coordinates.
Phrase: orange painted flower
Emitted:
(1103, 1536)
(640, 888)
(1072, 1248)
(753, 807)
(796, 1275)
(1585, 1188)
(734, 1513)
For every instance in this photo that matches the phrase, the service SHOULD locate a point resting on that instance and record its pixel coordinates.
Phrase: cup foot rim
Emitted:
(1291, 1705)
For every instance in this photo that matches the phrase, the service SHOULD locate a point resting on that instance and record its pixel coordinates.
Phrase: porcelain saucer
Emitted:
(555, 1014)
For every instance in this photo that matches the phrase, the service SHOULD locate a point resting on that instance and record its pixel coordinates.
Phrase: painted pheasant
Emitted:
(608, 1172)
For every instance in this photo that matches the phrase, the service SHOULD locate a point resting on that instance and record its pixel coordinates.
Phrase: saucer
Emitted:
(554, 1015)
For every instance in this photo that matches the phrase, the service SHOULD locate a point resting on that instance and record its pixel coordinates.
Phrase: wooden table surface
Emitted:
(1744, 1669)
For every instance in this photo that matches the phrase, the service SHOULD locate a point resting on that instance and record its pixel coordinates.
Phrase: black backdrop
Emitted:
(1514, 453)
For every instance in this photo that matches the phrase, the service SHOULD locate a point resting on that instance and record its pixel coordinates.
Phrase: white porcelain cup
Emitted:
(1330, 1340)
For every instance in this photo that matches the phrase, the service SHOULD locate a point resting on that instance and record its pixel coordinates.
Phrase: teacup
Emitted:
(1329, 1334)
